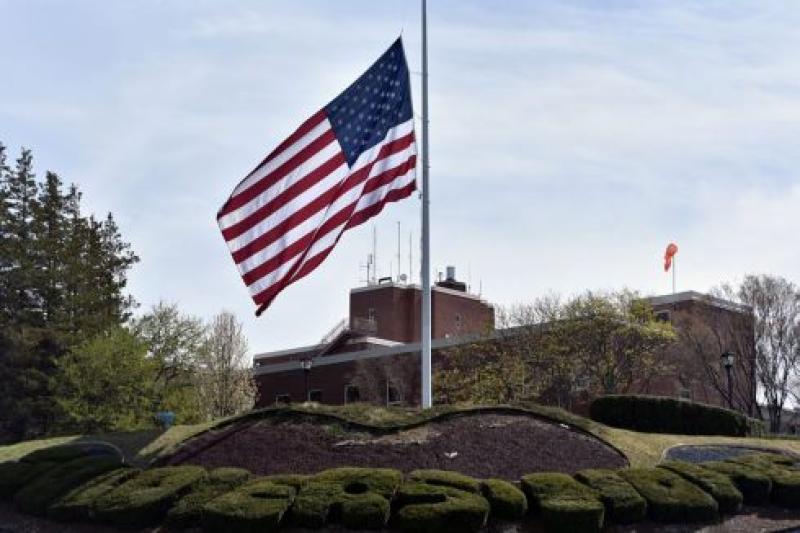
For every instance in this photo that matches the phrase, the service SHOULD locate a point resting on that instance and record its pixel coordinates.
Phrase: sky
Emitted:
(570, 141)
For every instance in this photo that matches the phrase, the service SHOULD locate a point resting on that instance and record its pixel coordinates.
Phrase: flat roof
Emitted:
(694, 296)
(415, 287)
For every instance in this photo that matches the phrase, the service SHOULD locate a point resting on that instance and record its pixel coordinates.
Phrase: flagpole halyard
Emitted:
(425, 330)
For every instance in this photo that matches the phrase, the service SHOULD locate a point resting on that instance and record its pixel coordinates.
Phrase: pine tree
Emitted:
(49, 228)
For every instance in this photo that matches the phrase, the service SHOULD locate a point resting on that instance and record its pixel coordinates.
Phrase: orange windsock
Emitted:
(672, 249)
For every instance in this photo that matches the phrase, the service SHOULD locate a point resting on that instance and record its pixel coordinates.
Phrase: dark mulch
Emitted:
(485, 446)
(716, 452)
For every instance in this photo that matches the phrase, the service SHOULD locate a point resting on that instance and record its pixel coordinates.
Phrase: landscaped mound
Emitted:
(422, 501)
(492, 443)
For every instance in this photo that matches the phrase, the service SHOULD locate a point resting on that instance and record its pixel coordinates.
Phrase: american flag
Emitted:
(336, 171)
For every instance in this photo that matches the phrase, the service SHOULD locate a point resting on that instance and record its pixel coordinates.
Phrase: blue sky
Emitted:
(570, 141)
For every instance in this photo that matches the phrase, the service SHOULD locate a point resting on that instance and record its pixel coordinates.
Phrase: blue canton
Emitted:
(378, 101)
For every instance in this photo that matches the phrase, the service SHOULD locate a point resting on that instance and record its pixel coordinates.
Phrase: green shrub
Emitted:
(446, 478)
(505, 500)
(623, 504)
(37, 495)
(670, 498)
(785, 487)
(718, 485)
(64, 453)
(292, 480)
(564, 503)
(425, 508)
(78, 504)
(14, 475)
(654, 414)
(145, 499)
(256, 506)
(764, 460)
(753, 483)
(357, 497)
(186, 512)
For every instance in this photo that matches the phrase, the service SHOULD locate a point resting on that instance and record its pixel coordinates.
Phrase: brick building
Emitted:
(373, 355)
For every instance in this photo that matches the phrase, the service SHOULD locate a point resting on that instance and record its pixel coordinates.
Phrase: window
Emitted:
(393, 395)
(351, 394)
(459, 321)
(371, 314)
(685, 393)
(283, 399)
(315, 395)
(663, 316)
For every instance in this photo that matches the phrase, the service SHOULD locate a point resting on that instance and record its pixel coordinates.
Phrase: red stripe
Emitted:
(235, 202)
(311, 264)
(298, 217)
(286, 196)
(333, 222)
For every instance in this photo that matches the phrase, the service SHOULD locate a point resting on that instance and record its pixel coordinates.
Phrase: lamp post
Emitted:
(305, 364)
(727, 362)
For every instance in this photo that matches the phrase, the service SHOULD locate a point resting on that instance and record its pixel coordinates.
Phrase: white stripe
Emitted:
(288, 209)
(322, 242)
(314, 221)
(311, 164)
(330, 181)
(401, 130)
(290, 151)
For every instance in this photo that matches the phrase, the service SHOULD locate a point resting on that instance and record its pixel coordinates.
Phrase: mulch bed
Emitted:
(481, 445)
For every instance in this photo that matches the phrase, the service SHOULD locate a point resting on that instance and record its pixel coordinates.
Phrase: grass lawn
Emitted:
(642, 449)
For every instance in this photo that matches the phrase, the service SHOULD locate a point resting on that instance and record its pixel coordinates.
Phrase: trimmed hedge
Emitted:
(256, 506)
(357, 497)
(14, 475)
(446, 478)
(426, 508)
(144, 500)
(505, 500)
(564, 503)
(781, 471)
(754, 484)
(187, 511)
(718, 485)
(78, 504)
(670, 498)
(64, 453)
(656, 414)
(765, 459)
(37, 495)
(292, 480)
(623, 504)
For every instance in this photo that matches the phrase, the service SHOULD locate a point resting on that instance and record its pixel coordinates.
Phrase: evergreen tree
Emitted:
(49, 228)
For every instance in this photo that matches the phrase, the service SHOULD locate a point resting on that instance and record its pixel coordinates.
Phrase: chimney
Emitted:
(450, 281)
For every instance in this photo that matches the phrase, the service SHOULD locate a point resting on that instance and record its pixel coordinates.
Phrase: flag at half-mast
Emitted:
(337, 170)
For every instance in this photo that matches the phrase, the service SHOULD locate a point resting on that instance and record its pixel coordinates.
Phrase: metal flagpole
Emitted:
(425, 331)
(674, 265)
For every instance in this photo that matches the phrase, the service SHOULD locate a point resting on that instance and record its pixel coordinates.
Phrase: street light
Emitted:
(727, 362)
(305, 364)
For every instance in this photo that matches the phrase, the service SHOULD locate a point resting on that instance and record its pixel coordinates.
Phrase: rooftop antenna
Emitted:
(410, 257)
(399, 269)
(374, 254)
(469, 275)
(368, 266)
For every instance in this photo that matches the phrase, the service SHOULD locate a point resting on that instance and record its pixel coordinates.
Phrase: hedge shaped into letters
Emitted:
(187, 511)
(78, 504)
(426, 508)
(753, 483)
(505, 500)
(564, 503)
(37, 495)
(357, 497)
(782, 472)
(258, 505)
(446, 478)
(144, 500)
(670, 498)
(718, 485)
(14, 475)
(623, 504)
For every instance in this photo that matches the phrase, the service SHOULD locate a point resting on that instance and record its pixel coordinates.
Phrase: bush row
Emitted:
(101, 489)
(655, 414)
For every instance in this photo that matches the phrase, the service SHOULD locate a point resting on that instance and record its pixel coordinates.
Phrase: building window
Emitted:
(371, 314)
(685, 393)
(283, 399)
(315, 395)
(663, 316)
(459, 321)
(393, 395)
(351, 394)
